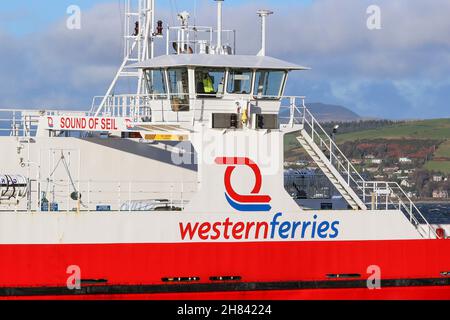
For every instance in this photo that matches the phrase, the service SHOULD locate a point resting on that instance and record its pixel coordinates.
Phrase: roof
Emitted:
(223, 61)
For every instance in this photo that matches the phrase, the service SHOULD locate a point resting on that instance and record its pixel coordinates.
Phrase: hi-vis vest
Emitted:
(208, 85)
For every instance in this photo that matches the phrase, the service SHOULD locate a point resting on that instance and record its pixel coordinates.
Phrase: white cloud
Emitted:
(351, 64)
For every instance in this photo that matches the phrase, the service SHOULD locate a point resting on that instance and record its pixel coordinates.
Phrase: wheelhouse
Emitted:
(195, 86)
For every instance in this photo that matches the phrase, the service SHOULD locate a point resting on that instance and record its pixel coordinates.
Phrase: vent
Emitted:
(226, 278)
(265, 121)
(226, 121)
(181, 279)
(343, 275)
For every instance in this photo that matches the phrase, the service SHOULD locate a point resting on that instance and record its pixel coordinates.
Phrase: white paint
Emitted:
(163, 227)
(219, 25)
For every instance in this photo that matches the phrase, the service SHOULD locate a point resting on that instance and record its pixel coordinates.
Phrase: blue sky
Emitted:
(401, 71)
(28, 16)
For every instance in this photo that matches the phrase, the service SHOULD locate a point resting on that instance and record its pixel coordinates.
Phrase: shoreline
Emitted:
(428, 201)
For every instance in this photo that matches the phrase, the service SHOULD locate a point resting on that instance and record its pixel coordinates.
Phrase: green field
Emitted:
(436, 129)
(441, 166)
(428, 129)
(444, 150)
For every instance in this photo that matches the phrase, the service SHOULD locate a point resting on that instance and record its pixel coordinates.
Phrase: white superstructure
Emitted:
(156, 149)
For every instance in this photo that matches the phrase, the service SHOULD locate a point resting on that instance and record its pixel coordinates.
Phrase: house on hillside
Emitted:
(390, 169)
(438, 178)
(440, 194)
(377, 161)
(405, 183)
(357, 161)
(405, 160)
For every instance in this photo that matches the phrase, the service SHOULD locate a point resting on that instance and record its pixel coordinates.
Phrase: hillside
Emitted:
(424, 129)
(326, 113)
(408, 138)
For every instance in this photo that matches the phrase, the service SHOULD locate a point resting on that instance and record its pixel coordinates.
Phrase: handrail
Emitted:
(330, 145)
(21, 123)
(344, 165)
(118, 194)
(410, 207)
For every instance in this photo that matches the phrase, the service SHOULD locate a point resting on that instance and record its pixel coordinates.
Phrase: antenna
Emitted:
(219, 24)
(139, 44)
(263, 14)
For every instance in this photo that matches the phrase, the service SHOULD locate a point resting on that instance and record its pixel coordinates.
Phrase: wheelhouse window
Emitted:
(156, 83)
(240, 81)
(268, 84)
(179, 88)
(209, 83)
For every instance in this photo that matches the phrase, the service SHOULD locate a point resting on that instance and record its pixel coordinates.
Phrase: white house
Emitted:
(440, 194)
(404, 160)
(377, 161)
(405, 183)
(438, 178)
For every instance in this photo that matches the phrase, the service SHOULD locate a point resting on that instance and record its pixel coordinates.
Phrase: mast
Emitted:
(219, 25)
(139, 36)
(263, 14)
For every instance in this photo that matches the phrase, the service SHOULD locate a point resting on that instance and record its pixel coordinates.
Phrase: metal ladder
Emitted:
(359, 194)
(330, 171)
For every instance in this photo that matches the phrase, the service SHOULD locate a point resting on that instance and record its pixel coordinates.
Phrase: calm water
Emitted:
(436, 213)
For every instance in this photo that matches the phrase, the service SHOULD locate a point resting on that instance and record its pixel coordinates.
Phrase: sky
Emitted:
(401, 71)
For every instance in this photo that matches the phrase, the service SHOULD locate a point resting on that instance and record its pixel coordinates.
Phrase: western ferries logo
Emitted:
(252, 202)
(273, 227)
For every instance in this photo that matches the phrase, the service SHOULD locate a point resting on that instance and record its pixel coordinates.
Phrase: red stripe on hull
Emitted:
(147, 264)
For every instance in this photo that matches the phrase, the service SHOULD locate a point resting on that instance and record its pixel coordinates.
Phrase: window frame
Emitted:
(270, 98)
(171, 95)
(218, 95)
(163, 71)
(252, 79)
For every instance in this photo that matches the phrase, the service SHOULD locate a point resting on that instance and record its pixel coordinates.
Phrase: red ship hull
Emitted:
(401, 293)
(413, 269)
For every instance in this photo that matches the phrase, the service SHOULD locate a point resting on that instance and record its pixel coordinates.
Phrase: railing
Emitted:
(142, 107)
(24, 123)
(174, 107)
(18, 123)
(127, 105)
(390, 195)
(302, 115)
(199, 39)
(376, 195)
(58, 195)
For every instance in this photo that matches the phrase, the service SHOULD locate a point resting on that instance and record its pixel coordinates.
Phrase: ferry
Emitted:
(176, 189)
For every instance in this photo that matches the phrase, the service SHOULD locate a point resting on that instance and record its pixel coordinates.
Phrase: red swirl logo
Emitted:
(250, 202)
